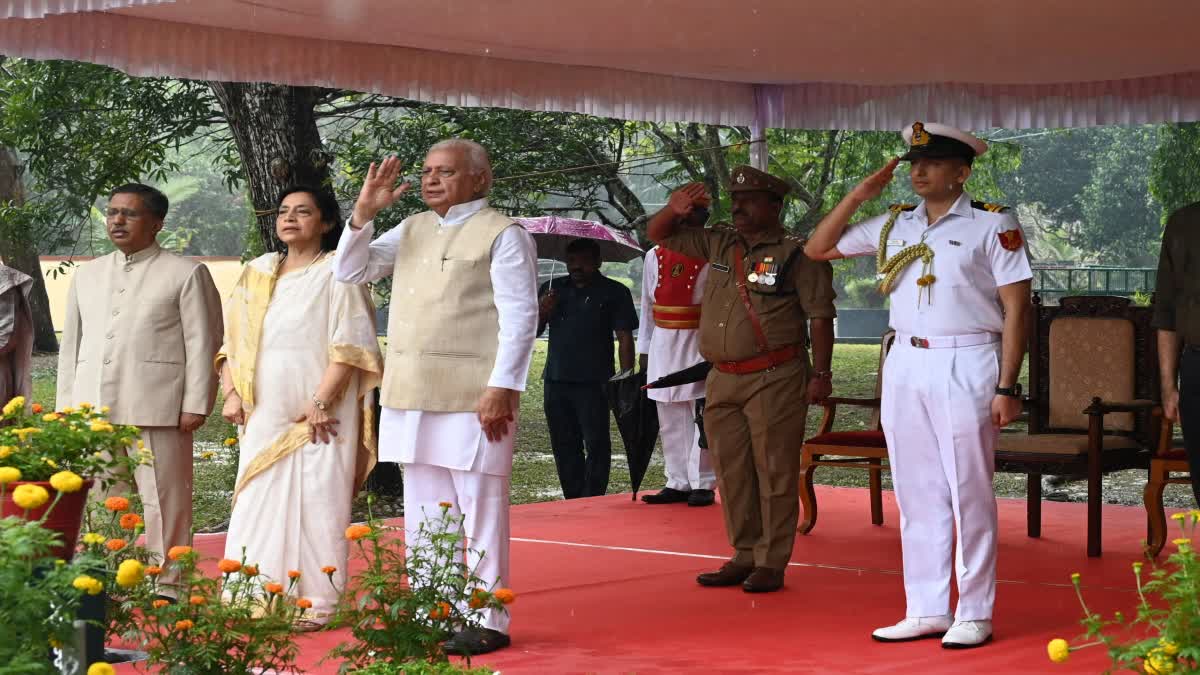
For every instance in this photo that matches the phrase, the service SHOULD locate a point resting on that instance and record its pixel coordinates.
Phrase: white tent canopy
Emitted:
(840, 64)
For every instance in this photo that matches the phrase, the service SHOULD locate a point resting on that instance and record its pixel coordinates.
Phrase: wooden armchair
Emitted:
(1167, 460)
(859, 449)
(1093, 393)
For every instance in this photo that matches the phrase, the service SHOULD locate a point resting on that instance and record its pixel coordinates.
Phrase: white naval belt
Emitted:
(948, 341)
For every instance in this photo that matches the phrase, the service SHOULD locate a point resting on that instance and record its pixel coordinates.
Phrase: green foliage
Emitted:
(863, 294)
(1175, 166)
(83, 441)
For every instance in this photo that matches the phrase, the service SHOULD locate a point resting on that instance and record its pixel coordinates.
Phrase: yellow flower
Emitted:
(94, 538)
(141, 444)
(1158, 663)
(100, 668)
(16, 404)
(1059, 650)
(1075, 578)
(30, 496)
(87, 584)
(49, 417)
(230, 442)
(1182, 542)
(1169, 648)
(101, 426)
(1137, 568)
(66, 481)
(207, 454)
(6, 450)
(68, 411)
(23, 434)
(50, 463)
(9, 474)
(1181, 516)
(130, 573)
(105, 409)
(85, 406)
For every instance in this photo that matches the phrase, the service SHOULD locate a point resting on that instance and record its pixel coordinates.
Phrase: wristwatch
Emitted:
(321, 405)
(1013, 391)
(823, 374)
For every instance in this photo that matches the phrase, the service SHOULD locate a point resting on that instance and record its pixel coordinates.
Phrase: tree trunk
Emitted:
(275, 129)
(20, 253)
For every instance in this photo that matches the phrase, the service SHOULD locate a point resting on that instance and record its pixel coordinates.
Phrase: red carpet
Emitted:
(607, 585)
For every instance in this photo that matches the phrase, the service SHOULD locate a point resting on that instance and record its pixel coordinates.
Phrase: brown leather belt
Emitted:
(755, 364)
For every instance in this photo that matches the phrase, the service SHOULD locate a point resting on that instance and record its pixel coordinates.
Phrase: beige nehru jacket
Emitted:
(140, 335)
(443, 327)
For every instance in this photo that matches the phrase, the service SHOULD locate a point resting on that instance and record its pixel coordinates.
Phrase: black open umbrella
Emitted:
(637, 420)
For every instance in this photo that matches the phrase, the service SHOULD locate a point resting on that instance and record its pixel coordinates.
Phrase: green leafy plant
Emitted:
(110, 538)
(396, 623)
(1166, 629)
(40, 444)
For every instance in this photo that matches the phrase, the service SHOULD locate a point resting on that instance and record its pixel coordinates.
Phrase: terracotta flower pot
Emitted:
(66, 518)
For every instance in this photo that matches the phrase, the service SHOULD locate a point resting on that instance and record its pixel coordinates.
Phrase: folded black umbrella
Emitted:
(637, 420)
(678, 378)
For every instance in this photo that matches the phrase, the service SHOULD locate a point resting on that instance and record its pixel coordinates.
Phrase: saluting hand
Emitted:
(683, 200)
(872, 186)
(379, 191)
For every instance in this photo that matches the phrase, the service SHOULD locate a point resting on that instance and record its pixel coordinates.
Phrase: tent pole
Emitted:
(758, 130)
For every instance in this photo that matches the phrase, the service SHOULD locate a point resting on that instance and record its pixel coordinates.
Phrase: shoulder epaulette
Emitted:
(722, 227)
(796, 238)
(988, 206)
(901, 207)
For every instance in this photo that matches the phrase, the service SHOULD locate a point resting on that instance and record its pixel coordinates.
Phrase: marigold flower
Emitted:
(85, 406)
(116, 504)
(100, 426)
(1137, 568)
(160, 603)
(440, 611)
(304, 603)
(153, 571)
(105, 409)
(93, 538)
(328, 569)
(197, 600)
(293, 574)
(9, 474)
(89, 585)
(1075, 578)
(445, 505)
(230, 442)
(6, 450)
(1158, 663)
(479, 598)
(50, 417)
(229, 566)
(250, 570)
(356, 532)
(13, 405)
(68, 411)
(101, 668)
(50, 463)
(505, 595)
(130, 573)
(130, 521)
(1169, 648)
(1181, 516)
(207, 454)
(1181, 542)
(177, 552)
(29, 496)
(1059, 650)
(115, 544)
(185, 624)
(37, 408)
(273, 588)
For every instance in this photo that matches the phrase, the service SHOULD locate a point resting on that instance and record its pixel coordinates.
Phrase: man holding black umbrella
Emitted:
(763, 300)
(583, 310)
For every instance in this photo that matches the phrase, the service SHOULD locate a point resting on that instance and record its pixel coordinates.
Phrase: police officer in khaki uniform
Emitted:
(761, 295)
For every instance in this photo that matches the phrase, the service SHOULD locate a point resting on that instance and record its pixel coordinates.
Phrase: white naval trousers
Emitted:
(483, 498)
(688, 466)
(936, 416)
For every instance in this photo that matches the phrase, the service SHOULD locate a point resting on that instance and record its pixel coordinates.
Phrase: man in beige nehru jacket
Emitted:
(141, 330)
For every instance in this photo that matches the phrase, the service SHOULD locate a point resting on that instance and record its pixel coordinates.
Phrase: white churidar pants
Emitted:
(688, 466)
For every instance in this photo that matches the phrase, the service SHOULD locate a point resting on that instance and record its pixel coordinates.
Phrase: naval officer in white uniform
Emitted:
(958, 276)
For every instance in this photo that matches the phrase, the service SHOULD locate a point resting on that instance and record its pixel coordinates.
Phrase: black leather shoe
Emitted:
(763, 580)
(667, 496)
(475, 641)
(729, 575)
(701, 498)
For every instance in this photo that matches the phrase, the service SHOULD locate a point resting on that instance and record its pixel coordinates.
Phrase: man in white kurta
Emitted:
(668, 336)
(453, 450)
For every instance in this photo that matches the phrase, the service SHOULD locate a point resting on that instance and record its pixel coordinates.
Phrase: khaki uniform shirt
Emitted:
(1177, 291)
(803, 290)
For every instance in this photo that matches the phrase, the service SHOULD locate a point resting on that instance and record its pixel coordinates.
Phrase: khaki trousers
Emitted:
(755, 426)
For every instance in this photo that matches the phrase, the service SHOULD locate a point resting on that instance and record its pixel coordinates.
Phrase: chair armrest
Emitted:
(1100, 407)
(830, 405)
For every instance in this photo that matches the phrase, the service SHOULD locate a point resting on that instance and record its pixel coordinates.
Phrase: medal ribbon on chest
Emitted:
(889, 269)
(764, 272)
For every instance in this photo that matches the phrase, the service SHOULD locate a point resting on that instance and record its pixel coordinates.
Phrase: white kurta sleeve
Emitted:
(514, 282)
(360, 260)
(649, 282)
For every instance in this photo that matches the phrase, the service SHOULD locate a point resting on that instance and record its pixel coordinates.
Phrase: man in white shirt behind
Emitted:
(460, 336)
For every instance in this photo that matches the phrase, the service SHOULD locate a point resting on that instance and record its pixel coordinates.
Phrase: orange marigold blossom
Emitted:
(505, 595)
(229, 566)
(37, 408)
(115, 544)
(304, 603)
(116, 504)
(130, 521)
(159, 604)
(477, 602)
(184, 624)
(197, 600)
(445, 505)
(250, 570)
(293, 574)
(273, 588)
(177, 552)
(440, 611)
(153, 571)
(328, 569)
(356, 532)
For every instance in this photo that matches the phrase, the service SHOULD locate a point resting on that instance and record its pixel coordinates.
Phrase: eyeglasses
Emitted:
(129, 214)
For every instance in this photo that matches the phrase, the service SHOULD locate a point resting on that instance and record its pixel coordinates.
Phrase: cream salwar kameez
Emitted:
(292, 501)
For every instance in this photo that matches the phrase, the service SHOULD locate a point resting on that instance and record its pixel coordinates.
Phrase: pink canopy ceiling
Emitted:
(862, 64)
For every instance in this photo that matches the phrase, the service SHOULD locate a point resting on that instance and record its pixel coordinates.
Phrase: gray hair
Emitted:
(477, 158)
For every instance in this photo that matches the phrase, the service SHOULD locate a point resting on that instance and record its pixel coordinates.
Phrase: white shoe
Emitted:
(967, 634)
(914, 628)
